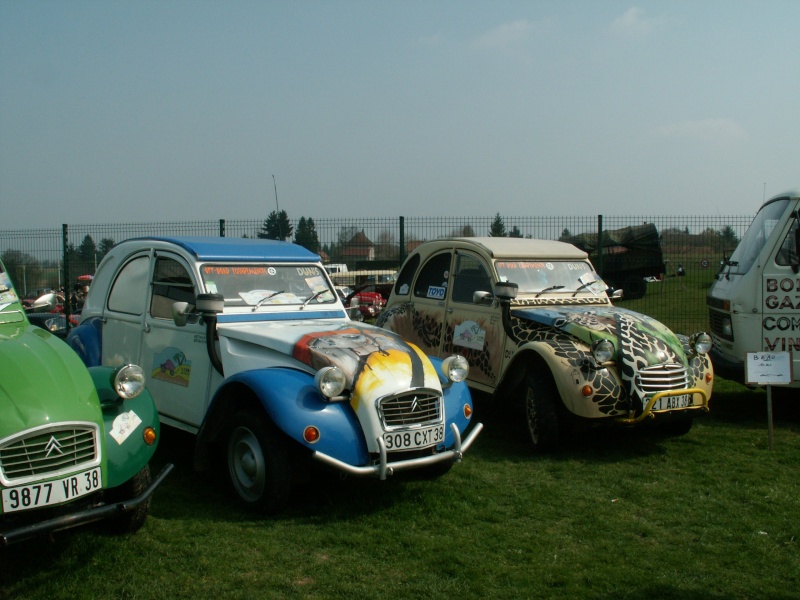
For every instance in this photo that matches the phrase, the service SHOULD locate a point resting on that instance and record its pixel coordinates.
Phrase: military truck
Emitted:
(629, 255)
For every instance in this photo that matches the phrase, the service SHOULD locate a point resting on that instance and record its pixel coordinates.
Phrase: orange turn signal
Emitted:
(311, 434)
(149, 435)
(587, 391)
(467, 411)
(709, 377)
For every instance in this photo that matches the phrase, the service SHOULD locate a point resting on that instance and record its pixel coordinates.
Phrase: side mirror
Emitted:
(180, 313)
(482, 298)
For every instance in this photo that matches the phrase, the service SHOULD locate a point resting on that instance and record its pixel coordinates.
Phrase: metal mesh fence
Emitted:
(42, 259)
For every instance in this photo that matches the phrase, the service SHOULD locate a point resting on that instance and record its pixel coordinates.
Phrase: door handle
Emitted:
(146, 328)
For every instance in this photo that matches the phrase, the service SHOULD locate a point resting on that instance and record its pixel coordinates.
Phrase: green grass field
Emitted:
(713, 514)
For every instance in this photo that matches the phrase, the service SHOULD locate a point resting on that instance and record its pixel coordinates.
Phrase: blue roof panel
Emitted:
(241, 249)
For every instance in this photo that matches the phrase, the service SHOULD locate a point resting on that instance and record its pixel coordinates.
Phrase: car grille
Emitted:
(662, 378)
(48, 451)
(417, 407)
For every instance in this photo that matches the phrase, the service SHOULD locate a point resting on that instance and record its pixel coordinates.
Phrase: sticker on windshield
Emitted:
(124, 425)
(436, 292)
(469, 335)
(172, 366)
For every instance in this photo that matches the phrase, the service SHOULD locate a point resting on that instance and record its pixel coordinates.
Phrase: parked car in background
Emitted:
(75, 443)
(247, 345)
(538, 328)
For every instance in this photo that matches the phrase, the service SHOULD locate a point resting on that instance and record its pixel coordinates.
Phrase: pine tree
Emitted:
(276, 227)
(306, 234)
(498, 228)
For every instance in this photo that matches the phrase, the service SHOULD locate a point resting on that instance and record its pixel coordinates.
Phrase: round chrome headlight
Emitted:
(129, 381)
(330, 381)
(455, 368)
(702, 343)
(602, 350)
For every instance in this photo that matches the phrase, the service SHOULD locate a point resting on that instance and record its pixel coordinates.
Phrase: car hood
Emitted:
(369, 355)
(590, 323)
(42, 381)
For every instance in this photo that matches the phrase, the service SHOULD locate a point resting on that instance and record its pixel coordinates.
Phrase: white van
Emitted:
(754, 305)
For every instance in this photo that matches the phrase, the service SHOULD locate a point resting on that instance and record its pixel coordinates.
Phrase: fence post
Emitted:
(65, 266)
(600, 245)
(222, 228)
(402, 240)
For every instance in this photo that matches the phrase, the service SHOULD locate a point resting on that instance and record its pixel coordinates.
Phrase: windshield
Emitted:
(536, 276)
(8, 298)
(257, 285)
(757, 235)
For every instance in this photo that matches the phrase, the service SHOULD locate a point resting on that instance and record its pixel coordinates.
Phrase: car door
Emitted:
(428, 298)
(123, 314)
(175, 358)
(473, 330)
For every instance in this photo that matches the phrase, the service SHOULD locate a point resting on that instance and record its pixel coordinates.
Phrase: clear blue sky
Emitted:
(151, 110)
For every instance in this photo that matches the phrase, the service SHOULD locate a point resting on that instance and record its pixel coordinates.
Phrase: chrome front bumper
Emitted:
(384, 468)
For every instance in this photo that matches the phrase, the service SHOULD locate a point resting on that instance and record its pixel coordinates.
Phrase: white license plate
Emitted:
(59, 491)
(674, 402)
(413, 438)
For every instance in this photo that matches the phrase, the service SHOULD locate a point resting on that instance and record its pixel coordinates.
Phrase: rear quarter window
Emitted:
(403, 284)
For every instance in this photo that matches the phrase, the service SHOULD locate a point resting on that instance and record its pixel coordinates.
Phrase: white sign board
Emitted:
(768, 368)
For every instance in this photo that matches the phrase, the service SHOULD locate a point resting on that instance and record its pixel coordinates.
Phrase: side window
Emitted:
(403, 285)
(787, 255)
(470, 276)
(129, 292)
(433, 277)
(171, 283)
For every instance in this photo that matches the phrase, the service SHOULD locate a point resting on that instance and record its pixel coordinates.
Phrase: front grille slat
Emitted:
(49, 451)
(661, 378)
(417, 407)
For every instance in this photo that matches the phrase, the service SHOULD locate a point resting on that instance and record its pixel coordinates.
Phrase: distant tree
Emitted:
(498, 228)
(386, 246)
(104, 247)
(87, 251)
(306, 234)
(729, 238)
(24, 270)
(276, 227)
(565, 234)
(464, 231)
(515, 232)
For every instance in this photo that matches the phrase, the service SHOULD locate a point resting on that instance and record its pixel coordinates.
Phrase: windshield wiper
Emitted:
(312, 297)
(583, 285)
(549, 289)
(265, 298)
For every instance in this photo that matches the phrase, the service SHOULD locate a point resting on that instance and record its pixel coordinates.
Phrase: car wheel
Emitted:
(541, 411)
(133, 520)
(634, 287)
(259, 465)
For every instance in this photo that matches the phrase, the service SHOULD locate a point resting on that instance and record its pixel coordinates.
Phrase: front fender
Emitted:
(455, 397)
(124, 423)
(293, 402)
(572, 373)
(87, 340)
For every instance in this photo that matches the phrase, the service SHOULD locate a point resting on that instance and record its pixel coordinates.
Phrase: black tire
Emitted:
(259, 465)
(541, 411)
(131, 521)
(634, 288)
(677, 427)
